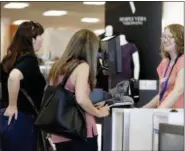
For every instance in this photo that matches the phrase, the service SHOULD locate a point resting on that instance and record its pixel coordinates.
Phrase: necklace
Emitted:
(172, 62)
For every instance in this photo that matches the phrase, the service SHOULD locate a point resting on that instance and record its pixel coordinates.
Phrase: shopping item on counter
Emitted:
(98, 95)
(122, 101)
(121, 88)
(116, 98)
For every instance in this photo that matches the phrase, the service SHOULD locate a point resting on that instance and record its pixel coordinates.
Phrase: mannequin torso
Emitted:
(135, 57)
(117, 46)
(108, 33)
(123, 40)
(107, 38)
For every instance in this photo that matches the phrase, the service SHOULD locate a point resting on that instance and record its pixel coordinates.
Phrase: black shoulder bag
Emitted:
(60, 113)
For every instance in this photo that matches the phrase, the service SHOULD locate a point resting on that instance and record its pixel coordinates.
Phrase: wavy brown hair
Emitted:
(83, 46)
(21, 43)
(177, 31)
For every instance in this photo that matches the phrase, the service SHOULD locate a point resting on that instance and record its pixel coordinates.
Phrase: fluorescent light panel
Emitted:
(18, 22)
(93, 3)
(90, 20)
(16, 5)
(55, 13)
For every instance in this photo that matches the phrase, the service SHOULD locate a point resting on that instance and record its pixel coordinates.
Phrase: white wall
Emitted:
(173, 12)
(55, 40)
(5, 33)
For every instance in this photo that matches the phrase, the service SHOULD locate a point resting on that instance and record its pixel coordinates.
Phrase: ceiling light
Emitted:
(90, 20)
(93, 3)
(55, 13)
(16, 5)
(99, 31)
(18, 22)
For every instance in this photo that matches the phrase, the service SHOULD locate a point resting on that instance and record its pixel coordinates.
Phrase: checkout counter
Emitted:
(136, 129)
(129, 129)
(171, 137)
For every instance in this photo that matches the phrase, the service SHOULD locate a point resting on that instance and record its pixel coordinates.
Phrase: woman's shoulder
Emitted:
(27, 57)
(181, 58)
(83, 66)
(180, 62)
(163, 62)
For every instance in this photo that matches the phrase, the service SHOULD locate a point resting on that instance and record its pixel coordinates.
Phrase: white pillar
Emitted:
(173, 12)
(55, 40)
(5, 35)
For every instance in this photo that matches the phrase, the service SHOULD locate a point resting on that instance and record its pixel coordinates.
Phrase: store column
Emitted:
(173, 13)
(5, 35)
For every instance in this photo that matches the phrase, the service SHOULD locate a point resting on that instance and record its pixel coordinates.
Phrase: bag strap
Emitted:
(67, 75)
(62, 84)
(165, 85)
(30, 100)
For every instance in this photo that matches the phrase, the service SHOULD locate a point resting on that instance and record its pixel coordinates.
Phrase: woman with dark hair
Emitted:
(20, 70)
(83, 47)
(171, 70)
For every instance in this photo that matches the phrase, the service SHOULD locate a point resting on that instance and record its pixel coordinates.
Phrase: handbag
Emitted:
(60, 113)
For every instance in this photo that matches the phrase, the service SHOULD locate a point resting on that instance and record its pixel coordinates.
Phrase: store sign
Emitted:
(133, 20)
(132, 7)
(141, 23)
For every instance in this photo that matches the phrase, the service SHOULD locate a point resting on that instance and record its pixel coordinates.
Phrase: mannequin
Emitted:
(122, 57)
(135, 57)
(108, 33)
(108, 45)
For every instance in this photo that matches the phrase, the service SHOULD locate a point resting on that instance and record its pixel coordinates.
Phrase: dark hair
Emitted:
(83, 46)
(21, 43)
(177, 31)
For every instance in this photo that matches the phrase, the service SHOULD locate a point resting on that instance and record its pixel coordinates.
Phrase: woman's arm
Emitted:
(82, 94)
(13, 89)
(178, 90)
(152, 103)
(14, 86)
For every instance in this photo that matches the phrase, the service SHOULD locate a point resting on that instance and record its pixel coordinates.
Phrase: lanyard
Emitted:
(165, 85)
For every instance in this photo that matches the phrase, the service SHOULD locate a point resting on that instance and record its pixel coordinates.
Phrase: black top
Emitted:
(33, 83)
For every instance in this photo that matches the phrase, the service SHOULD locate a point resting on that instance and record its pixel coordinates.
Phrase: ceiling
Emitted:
(76, 11)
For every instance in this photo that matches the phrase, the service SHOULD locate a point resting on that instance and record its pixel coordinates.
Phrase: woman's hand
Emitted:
(100, 104)
(104, 111)
(10, 112)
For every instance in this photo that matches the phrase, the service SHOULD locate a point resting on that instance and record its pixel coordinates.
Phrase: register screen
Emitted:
(171, 142)
(171, 137)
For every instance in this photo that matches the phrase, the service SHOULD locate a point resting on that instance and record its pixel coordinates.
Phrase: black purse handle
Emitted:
(30, 101)
(67, 75)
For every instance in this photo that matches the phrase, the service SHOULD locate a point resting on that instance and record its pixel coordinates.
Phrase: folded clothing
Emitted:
(124, 102)
(98, 95)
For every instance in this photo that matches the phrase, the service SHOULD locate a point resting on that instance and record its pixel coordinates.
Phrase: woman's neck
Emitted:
(173, 56)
